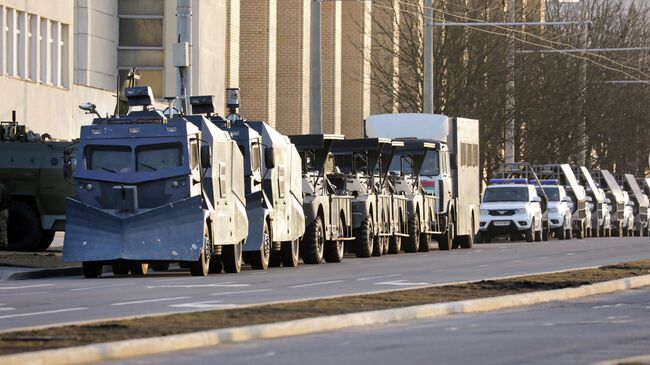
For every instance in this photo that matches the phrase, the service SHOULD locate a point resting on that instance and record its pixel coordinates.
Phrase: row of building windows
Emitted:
(34, 48)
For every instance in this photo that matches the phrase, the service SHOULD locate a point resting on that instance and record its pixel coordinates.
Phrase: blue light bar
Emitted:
(508, 181)
(548, 181)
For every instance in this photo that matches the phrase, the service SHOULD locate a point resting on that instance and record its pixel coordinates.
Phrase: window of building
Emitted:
(141, 29)
(34, 48)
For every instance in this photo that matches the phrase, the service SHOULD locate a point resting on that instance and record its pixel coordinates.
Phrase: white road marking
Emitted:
(259, 356)
(451, 329)
(24, 286)
(570, 253)
(482, 265)
(28, 293)
(228, 284)
(41, 313)
(5, 309)
(241, 292)
(400, 283)
(203, 305)
(608, 306)
(150, 301)
(316, 284)
(543, 257)
(378, 277)
(101, 287)
(515, 261)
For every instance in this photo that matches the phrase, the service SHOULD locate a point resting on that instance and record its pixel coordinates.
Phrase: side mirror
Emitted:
(536, 199)
(206, 156)
(269, 158)
(69, 165)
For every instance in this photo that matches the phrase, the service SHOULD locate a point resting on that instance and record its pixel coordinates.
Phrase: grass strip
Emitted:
(116, 330)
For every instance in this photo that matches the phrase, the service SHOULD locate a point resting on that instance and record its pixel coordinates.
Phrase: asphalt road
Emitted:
(575, 332)
(41, 302)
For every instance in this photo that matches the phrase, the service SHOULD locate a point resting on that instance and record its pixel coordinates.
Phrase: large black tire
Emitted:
(24, 228)
(201, 267)
(394, 245)
(231, 257)
(561, 232)
(413, 240)
(580, 234)
(92, 269)
(378, 246)
(160, 266)
(333, 251)
(47, 237)
(259, 259)
(313, 243)
(467, 242)
(365, 238)
(446, 242)
(275, 258)
(290, 253)
(120, 267)
(216, 266)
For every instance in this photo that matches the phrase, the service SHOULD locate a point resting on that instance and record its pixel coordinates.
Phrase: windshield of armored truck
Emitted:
(506, 194)
(114, 159)
(158, 156)
(430, 166)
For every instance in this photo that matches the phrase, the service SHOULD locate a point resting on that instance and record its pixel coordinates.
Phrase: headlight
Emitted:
(89, 186)
(485, 212)
(552, 210)
(175, 184)
(521, 211)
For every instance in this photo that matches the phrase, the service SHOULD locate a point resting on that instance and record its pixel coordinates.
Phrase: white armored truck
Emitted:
(155, 190)
(451, 172)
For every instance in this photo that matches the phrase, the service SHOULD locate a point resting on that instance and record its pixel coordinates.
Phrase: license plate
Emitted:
(501, 223)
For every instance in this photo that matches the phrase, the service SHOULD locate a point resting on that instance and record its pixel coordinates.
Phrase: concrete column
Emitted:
(257, 55)
(355, 79)
(385, 57)
(293, 60)
(331, 65)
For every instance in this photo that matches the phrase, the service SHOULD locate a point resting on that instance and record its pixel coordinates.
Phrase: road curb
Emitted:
(637, 360)
(156, 345)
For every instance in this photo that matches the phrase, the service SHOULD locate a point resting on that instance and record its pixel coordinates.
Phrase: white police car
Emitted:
(559, 210)
(511, 207)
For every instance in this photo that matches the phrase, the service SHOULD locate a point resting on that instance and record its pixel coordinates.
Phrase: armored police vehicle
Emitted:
(31, 167)
(152, 189)
(596, 202)
(564, 175)
(640, 203)
(406, 169)
(614, 193)
(358, 159)
(327, 205)
(273, 188)
(451, 172)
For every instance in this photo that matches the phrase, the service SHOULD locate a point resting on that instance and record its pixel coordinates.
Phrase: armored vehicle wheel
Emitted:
(426, 240)
(569, 233)
(561, 232)
(231, 256)
(160, 266)
(290, 252)
(216, 266)
(275, 259)
(413, 240)
(468, 241)
(386, 245)
(538, 236)
(259, 260)
(378, 246)
(546, 234)
(24, 228)
(312, 245)
(603, 231)
(138, 268)
(595, 232)
(446, 240)
(365, 238)
(120, 267)
(394, 245)
(487, 238)
(47, 237)
(334, 251)
(92, 269)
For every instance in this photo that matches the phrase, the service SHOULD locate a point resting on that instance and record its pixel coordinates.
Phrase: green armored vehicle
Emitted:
(31, 167)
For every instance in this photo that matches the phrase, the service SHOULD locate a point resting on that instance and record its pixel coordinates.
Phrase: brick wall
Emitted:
(385, 56)
(293, 57)
(355, 78)
(257, 59)
(331, 65)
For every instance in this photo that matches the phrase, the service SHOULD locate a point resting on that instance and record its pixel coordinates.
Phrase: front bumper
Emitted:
(172, 232)
(505, 224)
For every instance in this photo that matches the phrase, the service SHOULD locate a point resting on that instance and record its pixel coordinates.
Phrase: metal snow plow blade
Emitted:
(173, 232)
